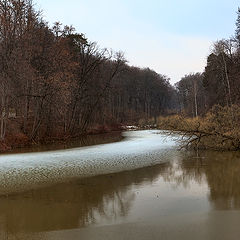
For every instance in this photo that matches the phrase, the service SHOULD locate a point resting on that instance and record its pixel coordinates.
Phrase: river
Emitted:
(140, 187)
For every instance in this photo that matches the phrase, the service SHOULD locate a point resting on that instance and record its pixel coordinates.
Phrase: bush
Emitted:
(219, 129)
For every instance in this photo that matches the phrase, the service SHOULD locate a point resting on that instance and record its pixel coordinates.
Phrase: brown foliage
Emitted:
(55, 83)
(219, 129)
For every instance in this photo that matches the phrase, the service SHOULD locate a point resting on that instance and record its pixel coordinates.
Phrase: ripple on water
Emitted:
(21, 172)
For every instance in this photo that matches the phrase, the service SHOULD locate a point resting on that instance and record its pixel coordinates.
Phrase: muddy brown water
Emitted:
(190, 197)
(88, 140)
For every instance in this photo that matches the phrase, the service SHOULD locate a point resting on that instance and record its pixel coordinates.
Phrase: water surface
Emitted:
(189, 196)
(25, 171)
(88, 140)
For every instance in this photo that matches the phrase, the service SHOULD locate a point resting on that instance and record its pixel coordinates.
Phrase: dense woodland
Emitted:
(55, 83)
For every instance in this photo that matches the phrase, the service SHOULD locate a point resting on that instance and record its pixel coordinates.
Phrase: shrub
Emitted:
(219, 129)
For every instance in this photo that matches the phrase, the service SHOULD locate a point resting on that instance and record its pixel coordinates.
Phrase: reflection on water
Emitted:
(221, 171)
(83, 141)
(102, 199)
(166, 199)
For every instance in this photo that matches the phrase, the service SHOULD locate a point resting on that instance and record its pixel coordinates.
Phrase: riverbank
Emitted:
(19, 142)
(219, 129)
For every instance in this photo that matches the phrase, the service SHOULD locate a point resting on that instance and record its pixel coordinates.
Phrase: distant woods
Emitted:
(55, 83)
(219, 84)
(208, 102)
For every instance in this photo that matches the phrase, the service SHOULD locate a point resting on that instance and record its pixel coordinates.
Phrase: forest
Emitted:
(57, 84)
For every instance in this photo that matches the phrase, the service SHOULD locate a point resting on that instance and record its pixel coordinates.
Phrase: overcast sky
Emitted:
(172, 37)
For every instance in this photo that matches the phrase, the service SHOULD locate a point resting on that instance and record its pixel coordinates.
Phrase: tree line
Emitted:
(56, 83)
(219, 84)
(209, 102)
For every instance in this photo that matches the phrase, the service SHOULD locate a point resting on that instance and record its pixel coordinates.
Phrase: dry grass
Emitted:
(219, 129)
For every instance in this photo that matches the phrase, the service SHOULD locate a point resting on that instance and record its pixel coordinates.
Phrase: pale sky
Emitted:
(172, 37)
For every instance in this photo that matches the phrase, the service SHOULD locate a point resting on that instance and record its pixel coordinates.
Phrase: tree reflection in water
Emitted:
(76, 204)
(110, 199)
(220, 170)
